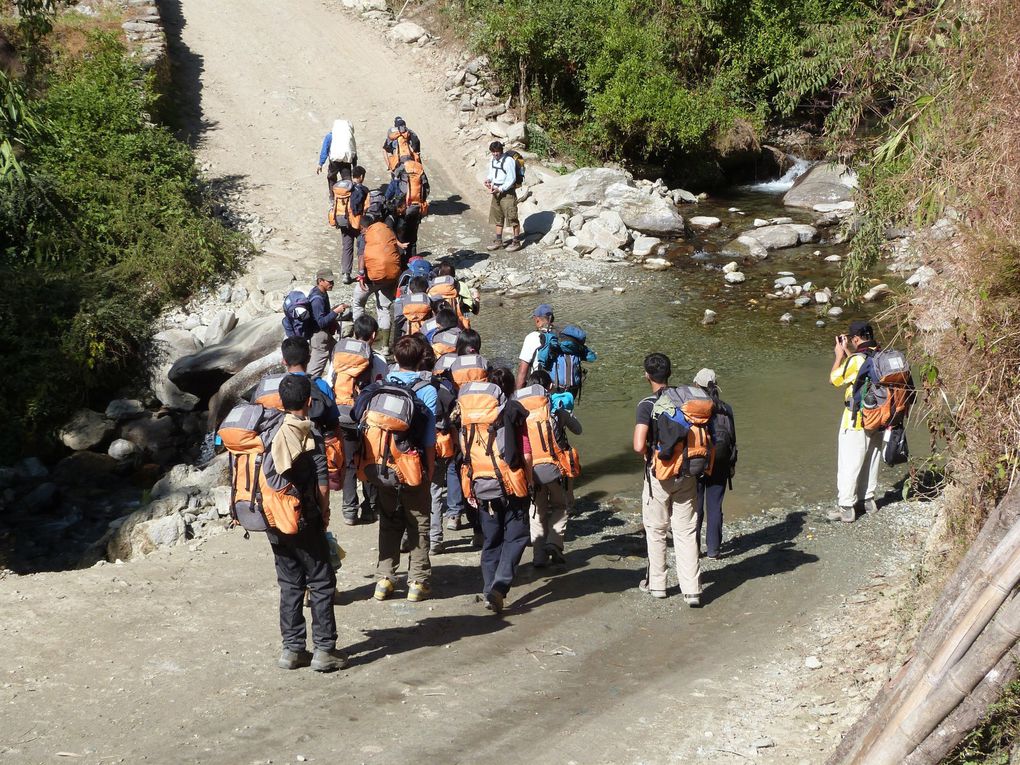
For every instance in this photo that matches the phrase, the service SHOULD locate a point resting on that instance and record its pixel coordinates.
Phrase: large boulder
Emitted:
(158, 524)
(168, 346)
(155, 436)
(232, 390)
(607, 231)
(85, 430)
(584, 186)
(826, 183)
(406, 32)
(783, 235)
(220, 326)
(124, 409)
(644, 212)
(88, 470)
(204, 372)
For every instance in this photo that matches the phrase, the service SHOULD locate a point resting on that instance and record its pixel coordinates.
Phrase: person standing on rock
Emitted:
(502, 186)
(665, 503)
(302, 559)
(859, 452)
(326, 319)
(378, 272)
(401, 144)
(527, 360)
(712, 487)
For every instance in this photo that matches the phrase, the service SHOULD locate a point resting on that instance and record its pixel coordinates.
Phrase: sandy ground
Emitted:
(171, 659)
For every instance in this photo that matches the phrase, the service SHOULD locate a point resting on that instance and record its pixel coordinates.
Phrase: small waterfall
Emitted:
(785, 182)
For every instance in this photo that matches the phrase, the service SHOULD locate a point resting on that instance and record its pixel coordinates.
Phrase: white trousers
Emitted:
(857, 473)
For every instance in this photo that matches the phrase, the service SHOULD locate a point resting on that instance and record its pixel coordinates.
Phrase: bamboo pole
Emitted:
(997, 639)
(956, 595)
(968, 715)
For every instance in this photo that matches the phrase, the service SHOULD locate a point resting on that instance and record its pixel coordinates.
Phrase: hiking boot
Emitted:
(556, 556)
(693, 601)
(348, 279)
(453, 523)
(437, 548)
(870, 506)
(383, 589)
(418, 591)
(540, 558)
(834, 514)
(477, 540)
(497, 244)
(494, 601)
(848, 514)
(514, 246)
(293, 659)
(328, 661)
(369, 516)
(643, 586)
(350, 520)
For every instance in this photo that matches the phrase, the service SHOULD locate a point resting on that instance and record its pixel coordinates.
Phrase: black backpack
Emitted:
(724, 436)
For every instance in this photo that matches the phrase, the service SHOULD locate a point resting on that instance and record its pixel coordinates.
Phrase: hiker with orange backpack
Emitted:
(401, 144)
(348, 206)
(397, 419)
(355, 367)
(279, 486)
(553, 463)
(378, 270)
(495, 475)
(712, 486)
(340, 149)
(412, 309)
(407, 197)
(503, 180)
(671, 433)
(879, 392)
(445, 286)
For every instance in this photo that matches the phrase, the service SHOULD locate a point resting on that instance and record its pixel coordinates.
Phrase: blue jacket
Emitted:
(324, 151)
(322, 311)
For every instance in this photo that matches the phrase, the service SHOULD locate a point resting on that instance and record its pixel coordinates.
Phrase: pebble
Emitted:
(819, 323)
(812, 662)
(656, 264)
(833, 259)
(835, 311)
(730, 267)
(709, 317)
(735, 277)
(619, 290)
(786, 318)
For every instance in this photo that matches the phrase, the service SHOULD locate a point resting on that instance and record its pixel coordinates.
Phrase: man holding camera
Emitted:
(859, 452)
(502, 183)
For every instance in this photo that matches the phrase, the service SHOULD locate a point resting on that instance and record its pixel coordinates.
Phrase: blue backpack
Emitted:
(561, 355)
(297, 315)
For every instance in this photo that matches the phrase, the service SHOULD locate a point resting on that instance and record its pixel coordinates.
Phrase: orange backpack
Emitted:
(471, 367)
(260, 498)
(351, 360)
(486, 442)
(401, 151)
(340, 209)
(382, 255)
(445, 341)
(445, 288)
(411, 183)
(390, 417)
(551, 457)
(416, 309)
(675, 452)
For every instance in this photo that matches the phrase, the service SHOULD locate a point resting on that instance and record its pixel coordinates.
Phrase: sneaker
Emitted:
(494, 601)
(870, 506)
(418, 591)
(293, 659)
(643, 586)
(497, 244)
(328, 661)
(477, 540)
(437, 548)
(348, 279)
(834, 514)
(556, 556)
(693, 601)
(383, 589)
(514, 246)
(453, 523)
(848, 514)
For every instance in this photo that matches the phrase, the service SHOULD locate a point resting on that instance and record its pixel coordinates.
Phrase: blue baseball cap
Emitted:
(542, 311)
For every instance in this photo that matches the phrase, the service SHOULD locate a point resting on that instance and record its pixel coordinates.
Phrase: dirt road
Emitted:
(171, 659)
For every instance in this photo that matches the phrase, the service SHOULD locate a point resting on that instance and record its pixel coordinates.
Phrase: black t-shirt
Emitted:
(644, 415)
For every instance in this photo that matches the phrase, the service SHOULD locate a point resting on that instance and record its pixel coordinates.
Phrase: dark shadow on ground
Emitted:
(186, 69)
(538, 224)
(452, 205)
(430, 632)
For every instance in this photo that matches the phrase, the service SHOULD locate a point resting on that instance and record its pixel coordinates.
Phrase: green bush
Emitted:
(107, 227)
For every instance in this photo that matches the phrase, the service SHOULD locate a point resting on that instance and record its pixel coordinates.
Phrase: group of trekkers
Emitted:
(404, 408)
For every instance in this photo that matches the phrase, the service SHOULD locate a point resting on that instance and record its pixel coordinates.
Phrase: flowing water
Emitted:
(774, 375)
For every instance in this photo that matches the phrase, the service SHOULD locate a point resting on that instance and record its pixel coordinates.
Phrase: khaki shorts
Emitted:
(503, 210)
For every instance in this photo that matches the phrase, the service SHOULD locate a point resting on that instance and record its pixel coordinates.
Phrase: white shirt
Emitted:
(503, 172)
(379, 367)
(530, 348)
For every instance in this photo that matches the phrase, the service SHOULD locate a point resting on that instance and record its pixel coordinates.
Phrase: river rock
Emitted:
(704, 222)
(709, 317)
(141, 534)
(656, 264)
(584, 186)
(85, 430)
(821, 297)
(123, 450)
(220, 326)
(730, 267)
(645, 245)
(835, 207)
(647, 213)
(921, 276)
(168, 346)
(406, 32)
(876, 292)
(204, 372)
(154, 436)
(777, 237)
(607, 231)
(825, 183)
(785, 281)
(734, 277)
(786, 318)
(802, 302)
(124, 409)
(833, 258)
(682, 196)
(92, 470)
(835, 311)
(745, 247)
